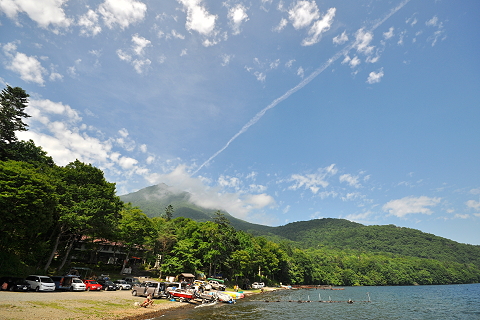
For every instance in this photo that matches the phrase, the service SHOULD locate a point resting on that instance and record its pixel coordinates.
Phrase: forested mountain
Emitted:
(155, 199)
(332, 233)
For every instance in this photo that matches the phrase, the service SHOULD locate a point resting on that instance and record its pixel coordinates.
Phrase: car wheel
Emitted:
(134, 293)
(88, 289)
(37, 289)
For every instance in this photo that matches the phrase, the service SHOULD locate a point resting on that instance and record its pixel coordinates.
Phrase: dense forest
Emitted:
(46, 210)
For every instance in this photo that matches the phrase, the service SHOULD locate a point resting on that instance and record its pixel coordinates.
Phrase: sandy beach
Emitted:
(106, 305)
(100, 305)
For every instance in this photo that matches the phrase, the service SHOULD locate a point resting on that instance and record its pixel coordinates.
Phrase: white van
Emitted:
(71, 283)
(40, 283)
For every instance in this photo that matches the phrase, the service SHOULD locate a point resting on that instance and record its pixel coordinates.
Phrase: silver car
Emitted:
(122, 285)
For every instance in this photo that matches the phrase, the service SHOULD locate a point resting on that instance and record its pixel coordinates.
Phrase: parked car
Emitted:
(70, 283)
(107, 285)
(40, 283)
(92, 285)
(122, 285)
(201, 285)
(14, 284)
(258, 285)
(217, 285)
(132, 281)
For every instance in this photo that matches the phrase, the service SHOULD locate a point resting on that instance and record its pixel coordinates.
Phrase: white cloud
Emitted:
(303, 13)
(46, 13)
(410, 205)
(387, 35)
(352, 196)
(313, 181)
(239, 204)
(122, 12)
(472, 204)
(300, 72)
(341, 39)
(375, 77)
(439, 33)
(28, 67)
(198, 18)
(89, 24)
(281, 25)
(150, 159)
(462, 216)
(353, 62)
(319, 27)
(237, 15)
(350, 180)
(226, 59)
(362, 42)
(229, 182)
(139, 44)
(177, 35)
(433, 22)
(123, 55)
(58, 129)
(475, 191)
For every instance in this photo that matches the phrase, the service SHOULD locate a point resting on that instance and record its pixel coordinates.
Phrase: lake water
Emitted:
(409, 302)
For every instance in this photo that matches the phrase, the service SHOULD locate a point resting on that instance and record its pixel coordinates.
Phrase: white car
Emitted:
(40, 283)
(258, 285)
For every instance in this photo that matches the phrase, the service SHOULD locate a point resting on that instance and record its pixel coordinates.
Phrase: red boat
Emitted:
(181, 294)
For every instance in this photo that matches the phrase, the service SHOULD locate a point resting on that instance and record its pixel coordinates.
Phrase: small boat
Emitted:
(181, 294)
(235, 295)
(223, 297)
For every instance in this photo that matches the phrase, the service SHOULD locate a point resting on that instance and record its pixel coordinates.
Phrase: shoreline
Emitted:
(101, 305)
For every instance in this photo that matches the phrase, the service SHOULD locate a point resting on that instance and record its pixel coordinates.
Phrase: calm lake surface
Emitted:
(410, 302)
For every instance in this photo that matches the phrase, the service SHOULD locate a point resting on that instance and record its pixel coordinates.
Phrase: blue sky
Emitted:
(275, 111)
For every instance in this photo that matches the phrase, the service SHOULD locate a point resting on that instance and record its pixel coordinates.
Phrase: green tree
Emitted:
(134, 229)
(168, 212)
(28, 201)
(27, 151)
(88, 206)
(13, 101)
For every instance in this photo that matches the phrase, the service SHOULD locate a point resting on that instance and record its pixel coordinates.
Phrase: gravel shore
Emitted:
(105, 305)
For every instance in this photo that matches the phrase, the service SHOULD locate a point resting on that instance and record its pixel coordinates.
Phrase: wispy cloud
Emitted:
(410, 205)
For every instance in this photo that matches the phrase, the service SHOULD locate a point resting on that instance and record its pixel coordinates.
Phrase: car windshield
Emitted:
(77, 280)
(46, 280)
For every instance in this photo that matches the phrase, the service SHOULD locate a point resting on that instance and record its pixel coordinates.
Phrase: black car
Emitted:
(14, 284)
(107, 285)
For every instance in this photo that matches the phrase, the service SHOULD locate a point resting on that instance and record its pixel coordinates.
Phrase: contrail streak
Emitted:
(299, 86)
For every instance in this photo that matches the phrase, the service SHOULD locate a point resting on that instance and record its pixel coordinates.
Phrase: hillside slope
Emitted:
(335, 233)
